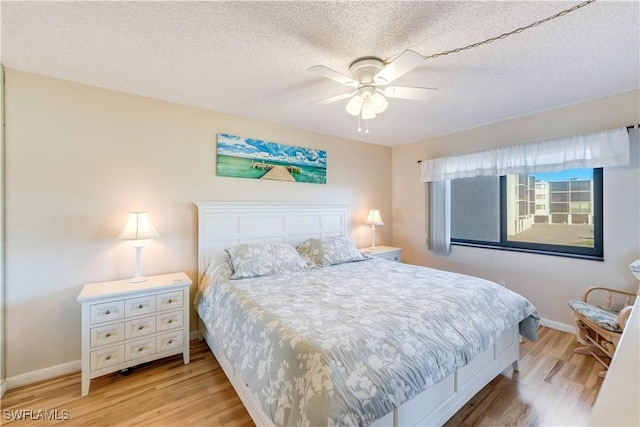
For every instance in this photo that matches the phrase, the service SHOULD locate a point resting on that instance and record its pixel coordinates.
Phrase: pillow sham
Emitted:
(263, 259)
(330, 251)
(219, 268)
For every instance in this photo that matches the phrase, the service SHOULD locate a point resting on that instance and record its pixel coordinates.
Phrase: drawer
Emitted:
(506, 341)
(139, 327)
(466, 373)
(107, 311)
(140, 348)
(411, 413)
(169, 340)
(108, 334)
(139, 306)
(392, 257)
(171, 320)
(169, 300)
(107, 357)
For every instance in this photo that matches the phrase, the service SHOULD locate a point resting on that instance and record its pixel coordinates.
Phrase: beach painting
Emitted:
(242, 157)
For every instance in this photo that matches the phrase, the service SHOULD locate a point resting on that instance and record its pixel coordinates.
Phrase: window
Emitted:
(505, 212)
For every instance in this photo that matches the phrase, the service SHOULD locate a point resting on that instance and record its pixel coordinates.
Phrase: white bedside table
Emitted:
(385, 252)
(125, 324)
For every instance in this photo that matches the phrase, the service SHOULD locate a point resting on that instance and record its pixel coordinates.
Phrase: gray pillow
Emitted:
(263, 259)
(330, 251)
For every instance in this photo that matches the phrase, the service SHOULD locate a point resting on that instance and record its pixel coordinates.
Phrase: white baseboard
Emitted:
(558, 326)
(55, 371)
(42, 374)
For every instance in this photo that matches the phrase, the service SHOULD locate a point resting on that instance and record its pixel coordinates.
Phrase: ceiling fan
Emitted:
(370, 76)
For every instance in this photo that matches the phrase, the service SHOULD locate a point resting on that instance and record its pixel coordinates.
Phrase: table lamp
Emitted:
(374, 219)
(138, 229)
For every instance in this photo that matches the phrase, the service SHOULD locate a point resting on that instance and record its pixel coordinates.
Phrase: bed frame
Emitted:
(225, 224)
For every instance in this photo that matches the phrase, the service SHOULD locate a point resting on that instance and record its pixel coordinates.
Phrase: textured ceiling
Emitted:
(251, 58)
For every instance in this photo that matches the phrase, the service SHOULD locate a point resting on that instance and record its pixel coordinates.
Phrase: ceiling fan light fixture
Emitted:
(379, 102)
(354, 106)
(367, 75)
(368, 111)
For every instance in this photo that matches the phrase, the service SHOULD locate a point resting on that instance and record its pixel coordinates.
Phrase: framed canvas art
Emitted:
(243, 157)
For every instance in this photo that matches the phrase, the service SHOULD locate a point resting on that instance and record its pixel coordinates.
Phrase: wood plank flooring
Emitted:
(554, 387)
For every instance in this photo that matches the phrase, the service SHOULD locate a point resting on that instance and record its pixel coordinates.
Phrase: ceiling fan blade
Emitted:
(333, 99)
(405, 62)
(403, 92)
(333, 75)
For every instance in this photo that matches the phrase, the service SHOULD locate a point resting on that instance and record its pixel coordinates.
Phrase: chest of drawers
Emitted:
(125, 324)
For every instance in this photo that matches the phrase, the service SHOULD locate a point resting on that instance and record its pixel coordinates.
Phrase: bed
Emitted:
(334, 338)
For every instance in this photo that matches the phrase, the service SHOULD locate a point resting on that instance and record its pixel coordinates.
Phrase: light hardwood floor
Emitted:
(554, 387)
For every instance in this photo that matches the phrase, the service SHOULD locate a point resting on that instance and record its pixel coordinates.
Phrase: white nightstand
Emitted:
(125, 324)
(385, 252)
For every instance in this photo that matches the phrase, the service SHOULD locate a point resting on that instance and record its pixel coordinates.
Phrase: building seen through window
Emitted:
(551, 208)
(559, 212)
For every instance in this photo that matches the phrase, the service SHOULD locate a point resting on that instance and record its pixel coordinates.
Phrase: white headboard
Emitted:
(222, 225)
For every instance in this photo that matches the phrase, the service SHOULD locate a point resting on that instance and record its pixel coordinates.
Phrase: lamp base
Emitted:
(373, 236)
(138, 279)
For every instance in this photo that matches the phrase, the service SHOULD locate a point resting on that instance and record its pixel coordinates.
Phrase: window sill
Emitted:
(528, 250)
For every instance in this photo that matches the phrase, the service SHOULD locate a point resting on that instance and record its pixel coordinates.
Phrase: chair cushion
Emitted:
(606, 319)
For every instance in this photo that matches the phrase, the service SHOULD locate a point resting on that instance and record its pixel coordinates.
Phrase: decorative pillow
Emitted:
(218, 269)
(286, 258)
(330, 251)
(263, 259)
(312, 251)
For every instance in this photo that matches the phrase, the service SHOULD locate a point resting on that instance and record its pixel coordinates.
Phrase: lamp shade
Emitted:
(379, 102)
(138, 227)
(374, 217)
(367, 110)
(354, 106)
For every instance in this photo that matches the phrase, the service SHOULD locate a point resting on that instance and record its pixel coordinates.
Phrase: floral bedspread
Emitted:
(346, 344)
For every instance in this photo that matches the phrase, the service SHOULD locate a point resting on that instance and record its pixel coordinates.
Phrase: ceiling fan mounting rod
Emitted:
(364, 69)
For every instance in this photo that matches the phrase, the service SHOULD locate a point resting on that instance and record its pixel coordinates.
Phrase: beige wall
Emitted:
(2, 354)
(548, 281)
(79, 158)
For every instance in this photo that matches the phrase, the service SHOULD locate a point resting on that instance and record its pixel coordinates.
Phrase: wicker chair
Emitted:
(600, 325)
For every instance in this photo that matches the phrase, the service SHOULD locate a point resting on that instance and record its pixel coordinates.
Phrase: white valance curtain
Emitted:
(593, 150)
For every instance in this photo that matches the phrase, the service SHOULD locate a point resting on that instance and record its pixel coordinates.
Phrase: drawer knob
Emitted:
(169, 301)
(170, 342)
(108, 334)
(107, 357)
(140, 348)
(107, 312)
(140, 327)
(140, 305)
(170, 321)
